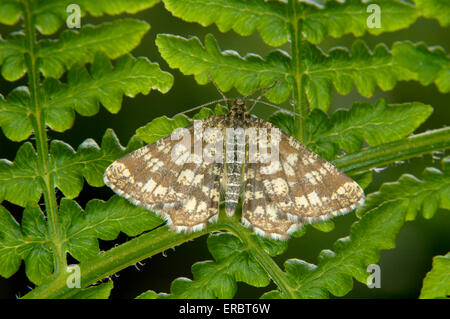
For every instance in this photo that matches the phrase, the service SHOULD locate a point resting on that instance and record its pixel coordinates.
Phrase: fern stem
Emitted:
(377, 156)
(300, 105)
(38, 121)
(263, 259)
(118, 258)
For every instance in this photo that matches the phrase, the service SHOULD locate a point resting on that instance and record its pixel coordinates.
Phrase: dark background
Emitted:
(402, 269)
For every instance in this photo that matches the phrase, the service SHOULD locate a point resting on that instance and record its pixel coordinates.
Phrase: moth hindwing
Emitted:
(280, 182)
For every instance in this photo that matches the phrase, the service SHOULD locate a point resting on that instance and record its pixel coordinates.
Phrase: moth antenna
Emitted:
(276, 106)
(251, 93)
(264, 93)
(200, 106)
(217, 87)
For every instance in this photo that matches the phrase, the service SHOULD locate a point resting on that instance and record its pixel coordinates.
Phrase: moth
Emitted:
(278, 195)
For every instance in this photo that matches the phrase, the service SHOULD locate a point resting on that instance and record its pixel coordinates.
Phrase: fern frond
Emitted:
(340, 68)
(273, 19)
(82, 93)
(439, 9)
(217, 279)
(351, 255)
(227, 68)
(12, 50)
(233, 262)
(114, 39)
(424, 64)
(347, 130)
(80, 229)
(21, 181)
(89, 161)
(243, 17)
(437, 281)
(427, 194)
(163, 126)
(54, 57)
(344, 69)
(50, 15)
(105, 84)
(102, 220)
(28, 241)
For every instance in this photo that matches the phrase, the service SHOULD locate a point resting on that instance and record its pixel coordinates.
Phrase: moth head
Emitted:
(239, 105)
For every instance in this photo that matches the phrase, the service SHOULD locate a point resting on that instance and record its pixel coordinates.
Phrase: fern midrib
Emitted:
(83, 45)
(417, 196)
(38, 122)
(388, 153)
(238, 68)
(346, 13)
(84, 88)
(301, 106)
(263, 14)
(321, 69)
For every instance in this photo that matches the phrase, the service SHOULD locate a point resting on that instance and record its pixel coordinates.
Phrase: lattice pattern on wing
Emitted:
(183, 192)
(297, 189)
(259, 212)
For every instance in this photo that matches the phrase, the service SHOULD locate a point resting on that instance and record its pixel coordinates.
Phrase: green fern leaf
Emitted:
(348, 130)
(338, 18)
(14, 114)
(102, 220)
(343, 69)
(92, 160)
(424, 64)
(161, 127)
(374, 232)
(437, 282)
(426, 194)
(82, 93)
(340, 68)
(217, 279)
(164, 126)
(55, 57)
(51, 14)
(80, 230)
(273, 19)
(149, 294)
(12, 50)
(439, 9)
(28, 242)
(105, 84)
(89, 162)
(227, 68)
(112, 38)
(243, 17)
(10, 236)
(20, 183)
(10, 11)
